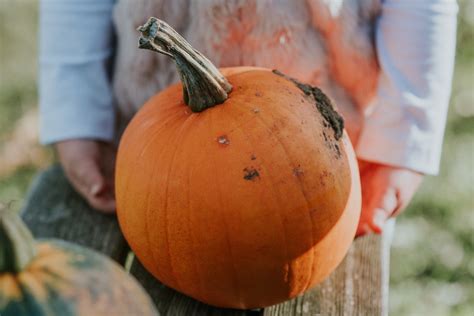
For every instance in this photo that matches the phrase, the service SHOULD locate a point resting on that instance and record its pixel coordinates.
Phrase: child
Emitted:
(387, 64)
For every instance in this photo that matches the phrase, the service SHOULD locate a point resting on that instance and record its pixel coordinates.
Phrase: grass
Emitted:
(432, 264)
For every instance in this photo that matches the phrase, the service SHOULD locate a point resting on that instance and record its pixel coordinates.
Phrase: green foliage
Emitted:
(15, 99)
(13, 188)
(18, 60)
(465, 34)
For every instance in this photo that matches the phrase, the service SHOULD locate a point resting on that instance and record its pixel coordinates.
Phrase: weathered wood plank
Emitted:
(359, 286)
(172, 303)
(54, 210)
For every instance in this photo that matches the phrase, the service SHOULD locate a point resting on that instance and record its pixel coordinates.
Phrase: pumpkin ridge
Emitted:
(303, 191)
(136, 163)
(147, 213)
(305, 195)
(275, 192)
(123, 220)
(235, 274)
(308, 205)
(165, 207)
(193, 246)
(290, 113)
(151, 179)
(180, 136)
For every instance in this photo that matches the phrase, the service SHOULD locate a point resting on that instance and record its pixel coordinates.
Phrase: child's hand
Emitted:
(386, 191)
(89, 166)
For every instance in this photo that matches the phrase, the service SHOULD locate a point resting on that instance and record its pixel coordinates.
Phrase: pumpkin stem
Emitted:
(17, 246)
(203, 85)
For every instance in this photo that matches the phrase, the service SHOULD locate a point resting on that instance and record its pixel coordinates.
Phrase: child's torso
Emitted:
(327, 43)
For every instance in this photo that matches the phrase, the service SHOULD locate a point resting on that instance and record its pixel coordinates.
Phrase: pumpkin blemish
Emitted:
(223, 140)
(297, 171)
(251, 174)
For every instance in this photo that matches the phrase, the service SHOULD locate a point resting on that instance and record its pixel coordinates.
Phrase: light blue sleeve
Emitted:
(76, 44)
(415, 43)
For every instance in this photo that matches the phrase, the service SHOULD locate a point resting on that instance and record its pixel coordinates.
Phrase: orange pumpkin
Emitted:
(244, 192)
(57, 278)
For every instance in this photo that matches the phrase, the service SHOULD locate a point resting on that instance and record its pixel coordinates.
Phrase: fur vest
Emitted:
(327, 43)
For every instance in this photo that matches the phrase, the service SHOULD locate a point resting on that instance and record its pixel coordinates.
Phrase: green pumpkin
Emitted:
(57, 278)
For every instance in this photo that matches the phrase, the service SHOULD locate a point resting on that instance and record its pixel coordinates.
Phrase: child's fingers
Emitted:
(88, 179)
(384, 209)
(88, 165)
(376, 211)
(386, 191)
(363, 229)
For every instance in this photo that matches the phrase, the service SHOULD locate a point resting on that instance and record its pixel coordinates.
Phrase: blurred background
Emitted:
(432, 262)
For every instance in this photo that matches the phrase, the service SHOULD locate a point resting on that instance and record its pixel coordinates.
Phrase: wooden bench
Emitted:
(358, 287)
